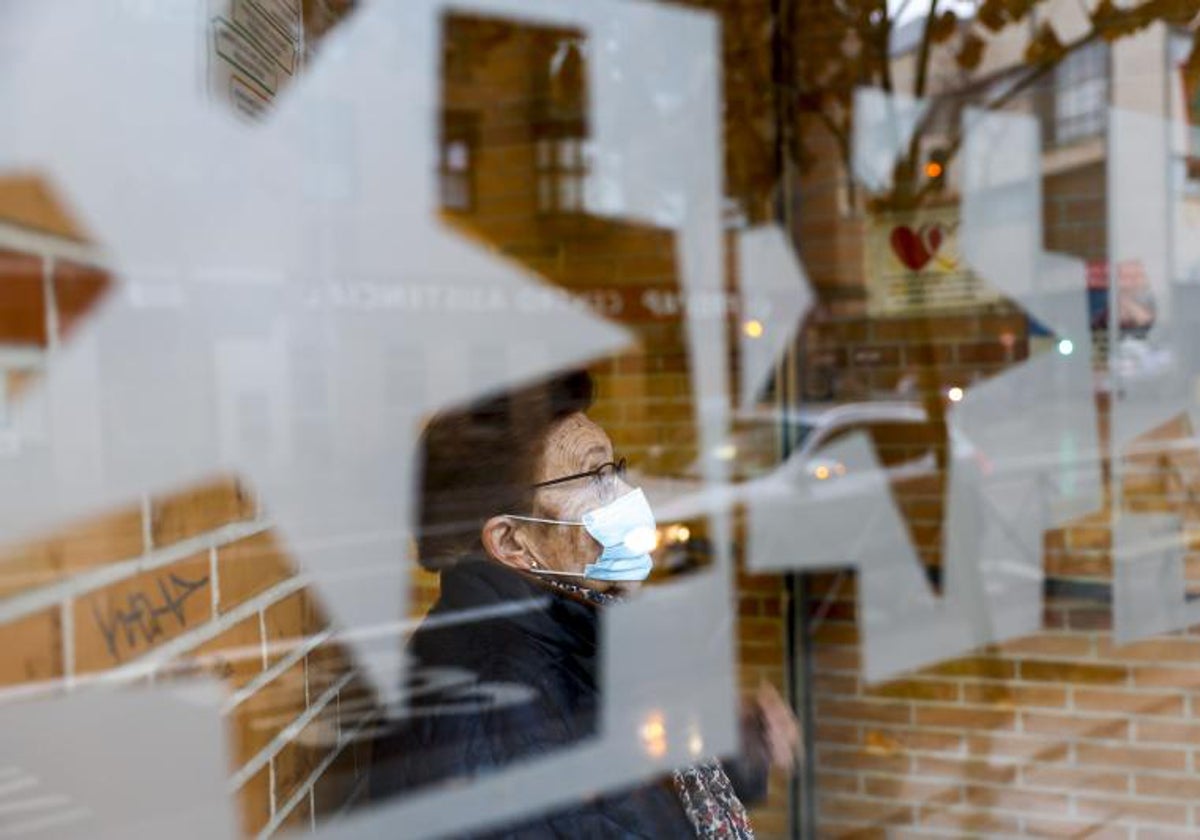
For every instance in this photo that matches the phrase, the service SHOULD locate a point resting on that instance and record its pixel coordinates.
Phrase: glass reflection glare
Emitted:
(642, 540)
(654, 735)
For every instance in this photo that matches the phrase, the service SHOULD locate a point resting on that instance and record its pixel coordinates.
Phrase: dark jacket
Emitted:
(538, 661)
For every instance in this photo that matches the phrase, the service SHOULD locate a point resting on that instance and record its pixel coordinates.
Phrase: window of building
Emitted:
(560, 125)
(19, 367)
(560, 174)
(1076, 103)
(456, 161)
(1186, 167)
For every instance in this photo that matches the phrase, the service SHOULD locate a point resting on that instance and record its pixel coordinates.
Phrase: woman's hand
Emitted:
(770, 737)
(777, 726)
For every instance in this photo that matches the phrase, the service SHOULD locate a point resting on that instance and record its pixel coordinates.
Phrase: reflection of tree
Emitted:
(788, 58)
(320, 16)
(955, 57)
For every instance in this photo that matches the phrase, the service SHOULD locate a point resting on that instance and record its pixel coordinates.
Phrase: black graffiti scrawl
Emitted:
(142, 618)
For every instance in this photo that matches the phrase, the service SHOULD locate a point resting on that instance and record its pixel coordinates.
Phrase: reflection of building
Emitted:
(514, 119)
(1143, 73)
(457, 147)
(560, 128)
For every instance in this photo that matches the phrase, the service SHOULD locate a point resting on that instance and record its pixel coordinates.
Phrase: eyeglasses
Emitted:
(604, 474)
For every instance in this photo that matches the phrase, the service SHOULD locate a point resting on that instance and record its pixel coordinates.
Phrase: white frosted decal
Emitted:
(1038, 418)
(116, 764)
(851, 517)
(1153, 368)
(884, 124)
(992, 550)
(682, 685)
(775, 295)
(1149, 590)
(1034, 427)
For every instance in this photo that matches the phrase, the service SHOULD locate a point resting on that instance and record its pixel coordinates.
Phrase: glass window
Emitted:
(1079, 94)
(590, 418)
(456, 169)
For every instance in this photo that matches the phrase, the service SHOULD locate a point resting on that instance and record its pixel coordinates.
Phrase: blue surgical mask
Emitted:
(626, 530)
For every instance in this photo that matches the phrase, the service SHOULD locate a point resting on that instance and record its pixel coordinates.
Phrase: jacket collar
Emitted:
(477, 583)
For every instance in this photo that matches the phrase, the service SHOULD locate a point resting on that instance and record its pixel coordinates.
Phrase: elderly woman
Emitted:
(525, 513)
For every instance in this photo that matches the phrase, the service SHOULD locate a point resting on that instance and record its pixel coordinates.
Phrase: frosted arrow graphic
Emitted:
(775, 295)
(1154, 366)
(1035, 423)
(854, 517)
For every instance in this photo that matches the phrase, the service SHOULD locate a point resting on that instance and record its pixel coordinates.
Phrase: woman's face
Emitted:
(574, 445)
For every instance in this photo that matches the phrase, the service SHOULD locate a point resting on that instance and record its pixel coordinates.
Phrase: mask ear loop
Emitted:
(546, 521)
(548, 572)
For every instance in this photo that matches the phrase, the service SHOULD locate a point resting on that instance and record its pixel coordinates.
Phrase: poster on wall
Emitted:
(254, 49)
(913, 264)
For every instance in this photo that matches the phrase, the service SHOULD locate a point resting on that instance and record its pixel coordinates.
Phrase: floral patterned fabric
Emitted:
(708, 797)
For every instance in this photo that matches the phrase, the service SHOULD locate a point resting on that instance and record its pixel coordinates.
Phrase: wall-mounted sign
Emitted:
(913, 264)
(255, 48)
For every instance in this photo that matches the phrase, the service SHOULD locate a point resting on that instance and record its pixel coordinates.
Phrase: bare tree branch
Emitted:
(1032, 77)
(883, 47)
(926, 51)
(826, 88)
(841, 134)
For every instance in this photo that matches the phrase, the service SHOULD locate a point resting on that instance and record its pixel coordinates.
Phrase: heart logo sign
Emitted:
(915, 248)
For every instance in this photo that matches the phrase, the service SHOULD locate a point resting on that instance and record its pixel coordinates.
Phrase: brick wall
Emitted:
(1074, 212)
(1057, 734)
(857, 358)
(762, 604)
(194, 584)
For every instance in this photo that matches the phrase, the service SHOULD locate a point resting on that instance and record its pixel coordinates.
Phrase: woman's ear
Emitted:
(505, 544)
